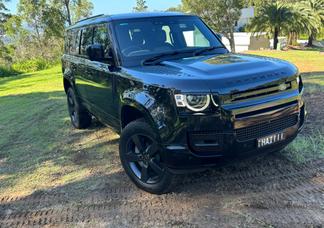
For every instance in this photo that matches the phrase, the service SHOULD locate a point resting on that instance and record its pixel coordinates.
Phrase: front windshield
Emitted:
(141, 39)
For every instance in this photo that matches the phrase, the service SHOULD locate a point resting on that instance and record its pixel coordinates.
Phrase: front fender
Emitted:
(157, 107)
(67, 74)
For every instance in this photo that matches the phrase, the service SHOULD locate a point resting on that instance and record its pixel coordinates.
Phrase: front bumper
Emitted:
(199, 145)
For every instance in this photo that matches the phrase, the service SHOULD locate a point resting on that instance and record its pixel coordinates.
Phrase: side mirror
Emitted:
(96, 52)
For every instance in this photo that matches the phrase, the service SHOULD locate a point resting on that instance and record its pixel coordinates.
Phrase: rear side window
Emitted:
(78, 40)
(67, 42)
(86, 40)
(74, 42)
(101, 36)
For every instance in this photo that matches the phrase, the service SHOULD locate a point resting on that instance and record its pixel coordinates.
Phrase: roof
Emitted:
(108, 18)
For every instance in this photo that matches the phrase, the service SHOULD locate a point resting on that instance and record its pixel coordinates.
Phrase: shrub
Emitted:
(31, 65)
(7, 71)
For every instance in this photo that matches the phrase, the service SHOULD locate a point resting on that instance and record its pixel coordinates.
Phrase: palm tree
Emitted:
(140, 6)
(304, 21)
(273, 17)
(317, 11)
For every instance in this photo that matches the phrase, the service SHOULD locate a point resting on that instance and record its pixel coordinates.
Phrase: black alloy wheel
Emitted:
(80, 118)
(143, 158)
(140, 154)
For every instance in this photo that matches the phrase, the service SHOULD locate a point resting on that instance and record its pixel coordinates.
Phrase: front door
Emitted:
(98, 80)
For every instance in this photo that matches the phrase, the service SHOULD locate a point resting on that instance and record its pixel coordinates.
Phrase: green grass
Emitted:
(310, 143)
(38, 147)
(39, 150)
(307, 60)
(306, 147)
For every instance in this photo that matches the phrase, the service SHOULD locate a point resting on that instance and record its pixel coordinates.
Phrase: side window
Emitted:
(86, 40)
(67, 42)
(75, 42)
(101, 36)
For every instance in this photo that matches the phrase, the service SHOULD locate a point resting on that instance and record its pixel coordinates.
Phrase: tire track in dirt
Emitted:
(244, 179)
(263, 194)
(109, 213)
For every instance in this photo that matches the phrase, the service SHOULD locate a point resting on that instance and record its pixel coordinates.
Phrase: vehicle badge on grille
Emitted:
(282, 87)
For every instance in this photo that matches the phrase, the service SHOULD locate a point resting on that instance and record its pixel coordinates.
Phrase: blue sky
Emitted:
(117, 6)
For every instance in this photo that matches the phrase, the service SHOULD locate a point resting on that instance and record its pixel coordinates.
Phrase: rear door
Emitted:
(71, 59)
(83, 72)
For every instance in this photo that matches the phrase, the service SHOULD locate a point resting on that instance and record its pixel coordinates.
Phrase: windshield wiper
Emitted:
(199, 52)
(154, 59)
(158, 58)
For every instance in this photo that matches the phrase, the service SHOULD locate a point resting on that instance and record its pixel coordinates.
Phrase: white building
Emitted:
(246, 15)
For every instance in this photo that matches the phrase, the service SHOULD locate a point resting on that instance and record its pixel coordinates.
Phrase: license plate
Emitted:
(271, 139)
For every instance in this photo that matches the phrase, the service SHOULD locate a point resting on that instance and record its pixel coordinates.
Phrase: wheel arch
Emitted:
(155, 107)
(68, 79)
(131, 111)
(67, 84)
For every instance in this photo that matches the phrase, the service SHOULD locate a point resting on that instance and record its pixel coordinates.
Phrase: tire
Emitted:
(139, 150)
(79, 116)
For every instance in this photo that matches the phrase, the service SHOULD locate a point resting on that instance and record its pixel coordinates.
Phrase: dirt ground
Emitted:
(266, 191)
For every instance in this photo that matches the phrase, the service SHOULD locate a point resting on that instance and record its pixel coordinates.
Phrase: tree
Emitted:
(305, 21)
(317, 11)
(288, 17)
(220, 15)
(37, 31)
(66, 4)
(273, 18)
(74, 10)
(178, 8)
(140, 6)
(4, 15)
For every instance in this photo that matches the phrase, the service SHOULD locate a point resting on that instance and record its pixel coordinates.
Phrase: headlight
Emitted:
(214, 102)
(196, 103)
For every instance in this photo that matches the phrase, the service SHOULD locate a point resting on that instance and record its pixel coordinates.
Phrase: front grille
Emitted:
(262, 91)
(267, 128)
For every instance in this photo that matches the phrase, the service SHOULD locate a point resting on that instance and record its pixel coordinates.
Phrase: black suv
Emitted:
(178, 98)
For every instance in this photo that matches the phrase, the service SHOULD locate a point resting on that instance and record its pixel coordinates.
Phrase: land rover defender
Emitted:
(178, 98)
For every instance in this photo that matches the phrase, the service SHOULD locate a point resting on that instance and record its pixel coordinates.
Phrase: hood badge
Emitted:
(274, 75)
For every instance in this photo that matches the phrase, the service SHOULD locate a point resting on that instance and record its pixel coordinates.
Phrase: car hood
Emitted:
(220, 73)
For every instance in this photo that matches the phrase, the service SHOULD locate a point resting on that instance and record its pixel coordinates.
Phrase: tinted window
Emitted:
(67, 42)
(141, 39)
(86, 40)
(101, 36)
(75, 42)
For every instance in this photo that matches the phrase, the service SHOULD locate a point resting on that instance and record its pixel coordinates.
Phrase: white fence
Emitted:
(247, 41)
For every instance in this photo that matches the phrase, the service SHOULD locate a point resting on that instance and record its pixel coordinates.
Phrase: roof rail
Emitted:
(99, 15)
